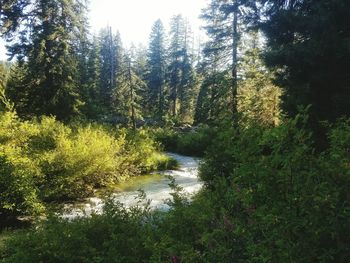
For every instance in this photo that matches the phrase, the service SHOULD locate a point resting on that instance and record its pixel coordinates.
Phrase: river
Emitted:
(155, 186)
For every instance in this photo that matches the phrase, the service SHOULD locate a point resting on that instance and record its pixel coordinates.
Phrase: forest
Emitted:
(263, 101)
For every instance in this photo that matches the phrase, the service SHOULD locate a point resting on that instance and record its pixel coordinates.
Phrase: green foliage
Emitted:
(258, 99)
(111, 59)
(212, 103)
(142, 150)
(116, 236)
(259, 102)
(313, 57)
(18, 172)
(46, 160)
(156, 76)
(268, 198)
(130, 86)
(46, 52)
(182, 78)
(287, 202)
(193, 143)
(81, 161)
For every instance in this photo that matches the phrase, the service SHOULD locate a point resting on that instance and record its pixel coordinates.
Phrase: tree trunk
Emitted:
(234, 60)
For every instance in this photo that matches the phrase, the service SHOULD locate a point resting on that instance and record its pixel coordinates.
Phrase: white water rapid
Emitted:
(155, 186)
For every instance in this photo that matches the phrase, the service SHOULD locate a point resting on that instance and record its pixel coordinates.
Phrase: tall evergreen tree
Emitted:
(182, 78)
(130, 86)
(224, 28)
(214, 96)
(111, 56)
(258, 99)
(308, 41)
(91, 89)
(156, 59)
(4, 74)
(188, 88)
(177, 29)
(47, 54)
(12, 15)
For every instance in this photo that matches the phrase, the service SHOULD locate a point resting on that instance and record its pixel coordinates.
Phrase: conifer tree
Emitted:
(177, 29)
(224, 29)
(91, 88)
(110, 53)
(258, 99)
(308, 41)
(129, 87)
(182, 78)
(156, 59)
(47, 55)
(4, 74)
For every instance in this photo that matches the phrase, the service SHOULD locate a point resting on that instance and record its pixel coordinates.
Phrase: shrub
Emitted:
(270, 197)
(116, 236)
(144, 150)
(81, 161)
(45, 160)
(193, 143)
(288, 202)
(18, 172)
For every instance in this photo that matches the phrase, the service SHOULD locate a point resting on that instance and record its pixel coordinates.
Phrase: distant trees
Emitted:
(64, 72)
(235, 79)
(222, 27)
(130, 87)
(4, 74)
(111, 60)
(181, 73)
(156, 77)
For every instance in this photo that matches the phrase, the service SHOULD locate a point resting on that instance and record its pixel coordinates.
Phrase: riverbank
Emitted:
(44, 161)
(155, 188)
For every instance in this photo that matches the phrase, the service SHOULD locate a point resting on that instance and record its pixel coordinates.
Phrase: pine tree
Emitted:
(188, 89)
(177, 29)
(5, 104)
(308, 41)
(91, 88)
(258, 99)
(156, 60)
(214, 96)
(111, 56)
(182, 77)
(12, 13)
(224, 29)
(129, 87)
(47, 54)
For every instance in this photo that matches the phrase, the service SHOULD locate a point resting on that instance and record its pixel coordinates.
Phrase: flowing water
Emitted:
(155, 186)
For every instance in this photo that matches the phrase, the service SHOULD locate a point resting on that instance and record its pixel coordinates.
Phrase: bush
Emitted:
(193, 143)
(286, 201)
(45, 160)
(116, 236)
(143, 150)
(18, 172)
(269, 197)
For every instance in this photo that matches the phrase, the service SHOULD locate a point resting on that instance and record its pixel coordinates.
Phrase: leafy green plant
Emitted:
(287, 201)
(193, 143)
(44, 160)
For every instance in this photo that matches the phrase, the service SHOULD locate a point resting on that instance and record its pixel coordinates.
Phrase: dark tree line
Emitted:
(61, 70)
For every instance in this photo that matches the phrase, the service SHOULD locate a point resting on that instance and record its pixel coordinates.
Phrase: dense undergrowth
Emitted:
(193, 143)
(268, 197)
(44, 160)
